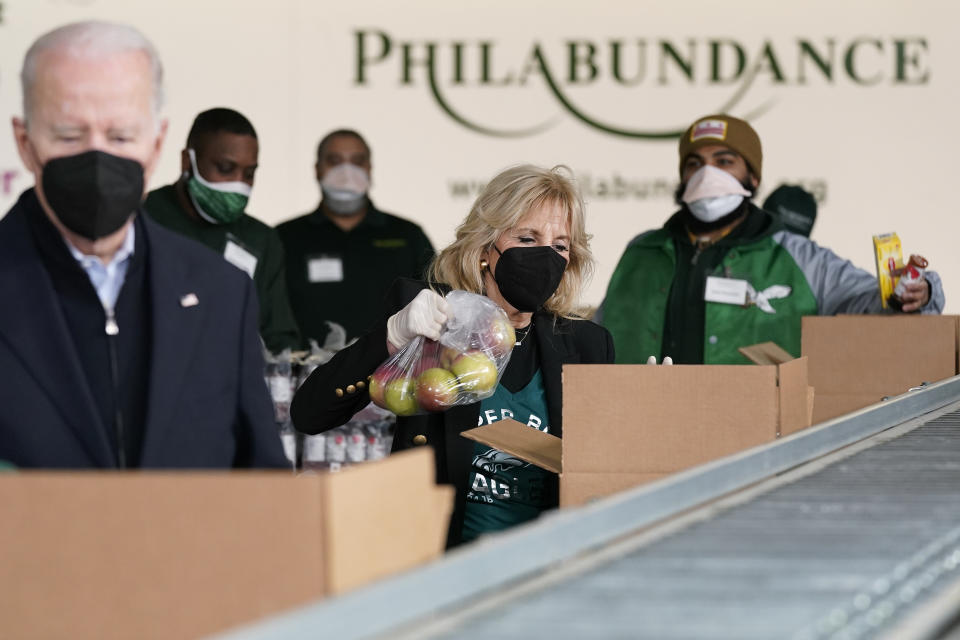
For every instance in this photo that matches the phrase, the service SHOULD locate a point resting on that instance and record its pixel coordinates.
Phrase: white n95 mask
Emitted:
(712, 193)
(345, 188)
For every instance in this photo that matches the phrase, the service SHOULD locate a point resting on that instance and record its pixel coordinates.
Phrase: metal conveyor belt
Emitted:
(857, 537)
(843, 553)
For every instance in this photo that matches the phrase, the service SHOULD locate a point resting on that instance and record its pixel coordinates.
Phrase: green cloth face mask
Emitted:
(216, 202)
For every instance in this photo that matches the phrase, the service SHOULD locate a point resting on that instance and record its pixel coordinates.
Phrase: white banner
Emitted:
(851, 99)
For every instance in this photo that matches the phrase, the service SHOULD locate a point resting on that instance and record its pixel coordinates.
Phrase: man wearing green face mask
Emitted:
(207, 204)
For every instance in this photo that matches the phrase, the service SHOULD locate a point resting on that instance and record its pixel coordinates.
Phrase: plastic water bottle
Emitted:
(356, 446)
(315, 452)
(336, 449)
(288, 438)
(281, 390)
(376, 446)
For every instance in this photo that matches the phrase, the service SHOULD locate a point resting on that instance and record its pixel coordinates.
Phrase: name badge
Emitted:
(726, 290)
(240, 258)
(325, 269)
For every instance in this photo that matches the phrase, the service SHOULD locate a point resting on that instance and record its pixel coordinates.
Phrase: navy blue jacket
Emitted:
(207, 404)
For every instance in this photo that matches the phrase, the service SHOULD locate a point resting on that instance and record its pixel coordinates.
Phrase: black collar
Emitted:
(374, 218)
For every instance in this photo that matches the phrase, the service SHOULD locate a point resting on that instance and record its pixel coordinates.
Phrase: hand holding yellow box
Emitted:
(889, 255)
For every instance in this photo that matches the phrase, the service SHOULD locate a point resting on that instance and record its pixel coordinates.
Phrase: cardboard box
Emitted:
(625, 425)
(180, 555)
(855, 361)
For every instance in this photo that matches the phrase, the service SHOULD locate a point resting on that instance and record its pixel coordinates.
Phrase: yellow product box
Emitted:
(889, 255)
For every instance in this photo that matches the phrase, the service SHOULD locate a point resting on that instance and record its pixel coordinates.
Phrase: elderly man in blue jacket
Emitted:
(122, 345)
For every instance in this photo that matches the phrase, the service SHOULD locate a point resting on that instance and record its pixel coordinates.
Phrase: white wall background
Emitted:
(878, 151)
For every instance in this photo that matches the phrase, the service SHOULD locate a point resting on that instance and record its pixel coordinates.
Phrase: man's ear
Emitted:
(754, 181)
(23, 142)
(184, 161)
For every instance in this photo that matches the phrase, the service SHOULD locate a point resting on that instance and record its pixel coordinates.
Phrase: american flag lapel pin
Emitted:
(189, 300)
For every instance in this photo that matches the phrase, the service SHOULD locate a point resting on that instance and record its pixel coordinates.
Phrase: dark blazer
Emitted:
(318, 406)
(207, 404)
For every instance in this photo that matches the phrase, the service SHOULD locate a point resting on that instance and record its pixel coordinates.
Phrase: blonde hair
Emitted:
(502, 204)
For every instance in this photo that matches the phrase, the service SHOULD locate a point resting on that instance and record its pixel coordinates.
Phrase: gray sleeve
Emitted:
(838, 285)
(937, 299)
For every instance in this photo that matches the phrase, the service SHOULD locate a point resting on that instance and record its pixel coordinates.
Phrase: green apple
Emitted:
(436, 389)
(400, 396)
(378, 382)
(476, 371)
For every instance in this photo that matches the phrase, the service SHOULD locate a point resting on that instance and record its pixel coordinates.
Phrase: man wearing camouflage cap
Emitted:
(723, 273)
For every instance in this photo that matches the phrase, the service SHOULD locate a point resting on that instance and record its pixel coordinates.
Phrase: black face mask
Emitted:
(528, 276)
(93, 193)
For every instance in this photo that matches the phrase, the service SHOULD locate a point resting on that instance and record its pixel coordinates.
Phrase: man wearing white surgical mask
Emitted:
(343, 256)
(723, 273)
(208, 204)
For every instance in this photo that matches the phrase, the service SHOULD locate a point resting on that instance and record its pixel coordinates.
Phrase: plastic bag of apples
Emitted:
(464, 366)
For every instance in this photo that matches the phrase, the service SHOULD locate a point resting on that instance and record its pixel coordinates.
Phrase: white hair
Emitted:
(92, 38)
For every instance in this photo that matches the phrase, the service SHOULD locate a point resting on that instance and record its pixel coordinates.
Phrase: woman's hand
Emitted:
(424, 316)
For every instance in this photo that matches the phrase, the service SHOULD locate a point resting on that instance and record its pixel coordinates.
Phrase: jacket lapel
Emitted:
(38, 333)
(177, 310)
(556, 349)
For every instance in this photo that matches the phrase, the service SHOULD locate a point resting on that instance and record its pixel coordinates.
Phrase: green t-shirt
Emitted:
(503, 490)
(249, 244)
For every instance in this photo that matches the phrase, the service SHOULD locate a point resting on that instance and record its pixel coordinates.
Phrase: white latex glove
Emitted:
(424, 316)
(666, 360)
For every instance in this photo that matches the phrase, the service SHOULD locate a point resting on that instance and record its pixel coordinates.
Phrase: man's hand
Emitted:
(915, 296)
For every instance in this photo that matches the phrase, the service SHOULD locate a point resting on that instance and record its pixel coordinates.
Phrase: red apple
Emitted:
(476, 371)
(436, 389)
(429, 357)
(447, 356)
(421, 365)
(499, 337)
(400, 396)
(431, 351)
(378, 382)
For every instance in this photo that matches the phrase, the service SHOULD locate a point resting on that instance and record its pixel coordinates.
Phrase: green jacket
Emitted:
(788, 277)
(277, 325)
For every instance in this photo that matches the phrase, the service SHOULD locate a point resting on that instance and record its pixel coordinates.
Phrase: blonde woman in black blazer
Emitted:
(524, 245)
